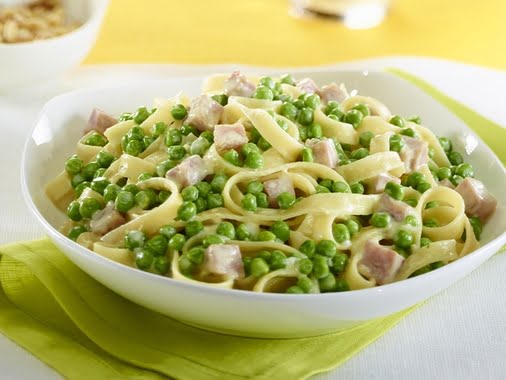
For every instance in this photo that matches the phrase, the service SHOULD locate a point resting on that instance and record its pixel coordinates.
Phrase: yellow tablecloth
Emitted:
(261, 32)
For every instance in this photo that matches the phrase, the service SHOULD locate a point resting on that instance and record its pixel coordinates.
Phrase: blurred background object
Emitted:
(355, 14)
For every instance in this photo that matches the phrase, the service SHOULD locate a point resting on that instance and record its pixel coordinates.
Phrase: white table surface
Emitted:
(458, 334)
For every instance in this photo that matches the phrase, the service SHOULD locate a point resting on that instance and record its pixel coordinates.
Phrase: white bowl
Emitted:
(239, 312)
(34, 63)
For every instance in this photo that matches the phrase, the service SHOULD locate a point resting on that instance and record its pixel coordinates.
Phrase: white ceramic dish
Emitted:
(238, 312)
(30, 64)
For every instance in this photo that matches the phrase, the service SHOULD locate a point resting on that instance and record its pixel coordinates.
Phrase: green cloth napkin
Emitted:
(85, 331)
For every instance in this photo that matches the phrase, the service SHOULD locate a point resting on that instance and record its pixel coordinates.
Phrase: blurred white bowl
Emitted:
(34, 63)
(238, 312)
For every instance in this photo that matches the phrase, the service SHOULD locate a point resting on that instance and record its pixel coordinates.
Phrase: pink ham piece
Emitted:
(204, 113)
(106, 220)
(238, 85)
(274, 187)
(414, 154)
(307, 85)
(380, 263)
(377, 184)
(324, 152)
(99, 121)
(479, 202)
(447, 183)
(189, 172)
(229, 136)
(224, 260)
(332, 92)
(399, 210)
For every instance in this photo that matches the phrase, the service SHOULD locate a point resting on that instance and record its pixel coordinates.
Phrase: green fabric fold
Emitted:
(85, 331)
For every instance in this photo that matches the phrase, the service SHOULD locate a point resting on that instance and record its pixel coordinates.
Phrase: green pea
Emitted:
(327, 183)
(76, 231)
(411, 220)
(196, 255)
(89, 206)
(77, 180)
(99, 184)
(267, 82)
(226, 229)
(431, 223)
(403, 239)
(158, 129)
(455, 158)
(177, 242)
(357, 188)
(327, 283)
(477, 226)
(409, 132)
(464, 170)
(306, 116)
(327, 248)
(254, 160)
(132, 188)
(306, 284)
(221, 99)
(173, 137)
(178, 112)
(431, 154)
(336, 115)
(332, 105)
(266, 236)
(320, 266)
(186, 266)
(111, 192)
(398, 121)
(218, 183)
(365, 139)
(144, 258)
(190, 193)
(135, 133)
(396, 143)
(163, 195)
(99, 173)
(199, 146)
(353, 226)
(74, 165)
(294, 290)
(263, 92)
(186, 211)
(249, 202)
(380, 220)
(214, 200)
(285, 200)
(96, 139)
(212, 239)
(425, 242)
(423, 186)
(243, 232)
(145, 199)
(262, 200)
(340, 232)
(456, 179)
(278, 260)
(315, 131)
(73, 212)
(308, 248)
(193, 227)
(187, 129)
(359, 153)
(135, 239)
(412, 202)
(287, 79)
(176, 152)
(312, 101)
(124, 201)
(340, 187)
(204, 188)
(289, 111)
(201, 204)
(162, 264)
(446, 144)
(254, 187)
(134, 148)
(144, 176)
(443, 173)
(125, 116)
(354, 117)
(141, 115)
(90, 169)
(303, 133)
(415, 119)
(341, 285)
(163, 167)
(305, 266)
(321, 189)
(363, 109)
(436, 265)
(259, 267)
(281, 230)
(414, 179)
(80, 188)
(432, 204)
(147, 141)
(394, 190)
(307, 154)
(232, 157)
(158, 245)
(263, 144)
(168, 231)
(339, 262)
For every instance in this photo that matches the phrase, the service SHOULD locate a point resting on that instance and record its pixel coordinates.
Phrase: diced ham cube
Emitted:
(380, 263)
(229, 136)
(106, 220)
(399, 210)
(447, 183)
(204, 113)
(378, 183)
(99, 121)
(324, 151)
(414, 154)
(333, 92)
(274, 187)
(224, 260)
(479, 202)
(189, 172)
(307, 85)
(238, 85)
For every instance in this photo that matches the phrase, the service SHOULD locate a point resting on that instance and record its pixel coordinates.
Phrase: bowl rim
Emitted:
(382, 290)
(97, 13)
